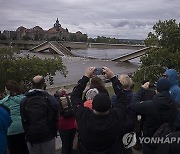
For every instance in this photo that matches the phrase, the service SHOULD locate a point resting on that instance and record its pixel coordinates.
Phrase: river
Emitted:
(76, 65)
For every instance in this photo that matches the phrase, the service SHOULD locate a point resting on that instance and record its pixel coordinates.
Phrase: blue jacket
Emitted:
(175, 89)
(13, 103)
(5, 121)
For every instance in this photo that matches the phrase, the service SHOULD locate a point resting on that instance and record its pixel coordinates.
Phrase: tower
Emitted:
(57, 25)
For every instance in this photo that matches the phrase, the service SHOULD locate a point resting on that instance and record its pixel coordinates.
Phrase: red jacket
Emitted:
(66, 123)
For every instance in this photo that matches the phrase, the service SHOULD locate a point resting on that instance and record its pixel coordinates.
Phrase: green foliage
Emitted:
(26, 38)
(2, 37)
(54, 38)
(23, 69)
(38, 36)
(102, 39)
(75, 37)
(164, 52)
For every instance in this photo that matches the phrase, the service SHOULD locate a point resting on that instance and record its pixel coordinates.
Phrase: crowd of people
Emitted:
(89, 120)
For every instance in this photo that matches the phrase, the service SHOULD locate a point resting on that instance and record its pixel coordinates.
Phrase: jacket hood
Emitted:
(35, 91)
(173, 76)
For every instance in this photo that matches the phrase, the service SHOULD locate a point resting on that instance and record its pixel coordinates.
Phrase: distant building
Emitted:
(9, 34)
(37, 33)
(57, 32)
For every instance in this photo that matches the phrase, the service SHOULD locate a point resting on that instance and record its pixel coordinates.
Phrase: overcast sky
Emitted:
(131, 19)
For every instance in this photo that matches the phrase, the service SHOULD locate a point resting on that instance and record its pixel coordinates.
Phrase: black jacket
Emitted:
(160, 110)
(98, 133)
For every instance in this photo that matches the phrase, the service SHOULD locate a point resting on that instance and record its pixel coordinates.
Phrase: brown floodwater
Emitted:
(76, 65)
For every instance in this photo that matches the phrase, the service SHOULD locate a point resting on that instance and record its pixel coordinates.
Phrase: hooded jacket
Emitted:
(13, 103)
(174, 89)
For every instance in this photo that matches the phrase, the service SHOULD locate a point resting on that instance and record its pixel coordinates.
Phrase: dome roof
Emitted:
(37, 28)
(21, 28)
(78, 32)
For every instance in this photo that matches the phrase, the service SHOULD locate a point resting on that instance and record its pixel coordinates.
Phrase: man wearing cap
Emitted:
(39, 112)
(99, 128)
(160, 110)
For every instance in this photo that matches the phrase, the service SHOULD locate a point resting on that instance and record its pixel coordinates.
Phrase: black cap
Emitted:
(163, 84)
(101, 102)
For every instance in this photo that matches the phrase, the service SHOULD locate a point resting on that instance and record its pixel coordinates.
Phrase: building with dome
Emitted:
(56, 33)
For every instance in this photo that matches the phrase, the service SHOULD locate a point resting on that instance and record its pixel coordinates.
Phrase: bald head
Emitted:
(37, 78)
(38, 82)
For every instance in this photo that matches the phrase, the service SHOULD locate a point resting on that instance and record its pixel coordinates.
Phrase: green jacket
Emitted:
(13, 103)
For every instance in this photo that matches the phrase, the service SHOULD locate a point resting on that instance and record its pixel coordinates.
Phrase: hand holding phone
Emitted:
(98, 71)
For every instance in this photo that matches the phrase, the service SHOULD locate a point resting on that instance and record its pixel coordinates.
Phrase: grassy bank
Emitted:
(69, 88)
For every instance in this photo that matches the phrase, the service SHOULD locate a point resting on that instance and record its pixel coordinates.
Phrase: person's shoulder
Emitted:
(52, 98)
(18, 98)
(4, 99)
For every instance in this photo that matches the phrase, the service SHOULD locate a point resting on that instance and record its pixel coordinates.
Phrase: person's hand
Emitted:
(108, 73)
(89, 72)
(146, 85)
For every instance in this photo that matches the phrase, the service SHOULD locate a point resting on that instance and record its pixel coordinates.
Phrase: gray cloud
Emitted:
(115, 18)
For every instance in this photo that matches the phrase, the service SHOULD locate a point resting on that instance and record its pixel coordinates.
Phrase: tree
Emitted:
(164, 52)
(38, 36)
(26, 37)
(73, 37)
(23, 69)
(54, 38)
(2, 37)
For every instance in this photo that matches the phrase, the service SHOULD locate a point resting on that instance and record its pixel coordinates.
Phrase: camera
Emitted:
(98, 71)
(152, 85)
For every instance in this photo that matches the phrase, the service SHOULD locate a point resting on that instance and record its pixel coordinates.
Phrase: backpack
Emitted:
(165, 128)
(66, 105)
(38, 118)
